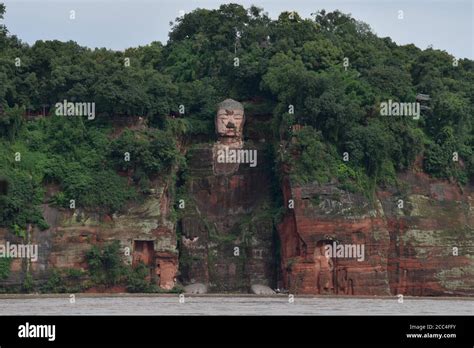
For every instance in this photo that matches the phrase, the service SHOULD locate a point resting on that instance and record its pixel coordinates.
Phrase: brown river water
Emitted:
(229, 305)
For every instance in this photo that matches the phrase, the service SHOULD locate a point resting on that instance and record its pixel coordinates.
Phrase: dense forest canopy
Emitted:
(331, 69)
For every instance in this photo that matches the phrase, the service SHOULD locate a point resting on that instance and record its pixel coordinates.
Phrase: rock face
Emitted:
(321, 216)
(416, 241)
(144, 229)
(226, 227)
(431, 239)
(408, 250)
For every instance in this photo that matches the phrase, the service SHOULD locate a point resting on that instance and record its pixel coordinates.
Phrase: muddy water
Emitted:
(230, 305)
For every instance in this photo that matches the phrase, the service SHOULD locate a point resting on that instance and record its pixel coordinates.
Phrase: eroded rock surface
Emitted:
(227, 227)
(144, 229)
(409, 250)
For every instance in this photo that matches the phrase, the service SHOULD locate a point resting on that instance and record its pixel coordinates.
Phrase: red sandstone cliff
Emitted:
(408, 250)
(145, 233)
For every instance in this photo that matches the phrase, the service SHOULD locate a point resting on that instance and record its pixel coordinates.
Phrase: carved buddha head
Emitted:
(230, 119)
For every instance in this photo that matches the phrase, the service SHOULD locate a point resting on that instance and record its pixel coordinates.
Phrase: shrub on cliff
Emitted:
(105, 264)
(138, 279)
(5, 266)
(106, 267)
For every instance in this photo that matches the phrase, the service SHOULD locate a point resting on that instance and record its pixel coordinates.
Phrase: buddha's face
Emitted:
(229, 123)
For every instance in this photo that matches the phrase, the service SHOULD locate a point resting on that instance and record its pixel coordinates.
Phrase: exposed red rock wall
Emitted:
(144, 232)
(437, 218)
(424, 248)
(308, 223)
(224, 212)
(407, 251)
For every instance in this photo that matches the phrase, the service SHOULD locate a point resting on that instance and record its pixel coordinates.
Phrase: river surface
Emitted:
(232, 305)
